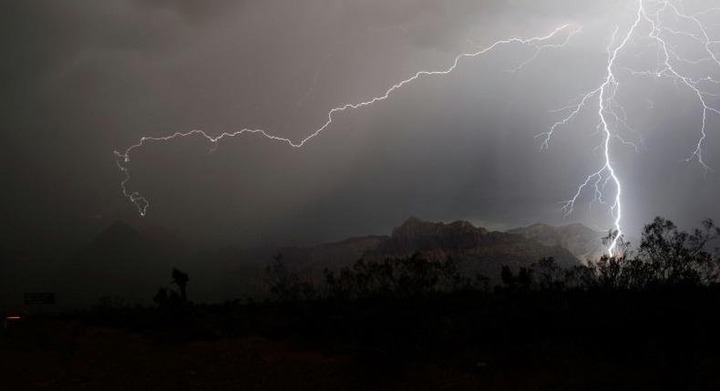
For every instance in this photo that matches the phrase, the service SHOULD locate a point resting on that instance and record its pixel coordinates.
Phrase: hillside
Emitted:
(584, 243)
(476, 249)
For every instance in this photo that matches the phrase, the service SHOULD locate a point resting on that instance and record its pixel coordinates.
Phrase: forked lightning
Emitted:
(657, 23)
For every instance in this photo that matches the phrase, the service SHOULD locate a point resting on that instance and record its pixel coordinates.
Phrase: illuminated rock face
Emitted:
(583, 242)
(476, 249)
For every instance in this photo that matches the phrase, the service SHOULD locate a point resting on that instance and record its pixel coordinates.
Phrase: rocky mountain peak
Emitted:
(416, 228)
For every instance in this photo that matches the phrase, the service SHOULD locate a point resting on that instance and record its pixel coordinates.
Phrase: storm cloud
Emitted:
(84, 78)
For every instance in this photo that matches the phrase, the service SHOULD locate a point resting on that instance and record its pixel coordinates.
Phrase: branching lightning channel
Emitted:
(612, 118)
(537, 43)
(657, 24)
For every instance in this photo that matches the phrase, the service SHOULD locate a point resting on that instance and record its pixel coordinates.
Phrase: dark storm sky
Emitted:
(82, 78)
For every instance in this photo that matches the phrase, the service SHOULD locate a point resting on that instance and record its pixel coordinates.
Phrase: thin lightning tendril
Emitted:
(603, 184)
(538, 43)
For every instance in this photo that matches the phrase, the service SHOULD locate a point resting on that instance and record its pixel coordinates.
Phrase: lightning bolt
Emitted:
(649, 14)
(538, 43)
(648, 21)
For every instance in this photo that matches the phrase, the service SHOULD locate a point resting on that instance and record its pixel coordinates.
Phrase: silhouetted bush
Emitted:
(666, 257)
(286, 286)
(413, 276)
(170, 299)
(654, 307)
(180, 279)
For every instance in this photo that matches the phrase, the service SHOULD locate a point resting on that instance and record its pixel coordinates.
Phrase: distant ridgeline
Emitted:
(476, 250)
(125, 262)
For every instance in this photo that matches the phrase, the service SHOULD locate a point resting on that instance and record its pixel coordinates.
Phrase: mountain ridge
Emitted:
(124, 261)
(583, 242)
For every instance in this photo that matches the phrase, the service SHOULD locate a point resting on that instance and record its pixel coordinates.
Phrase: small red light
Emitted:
(13, 317)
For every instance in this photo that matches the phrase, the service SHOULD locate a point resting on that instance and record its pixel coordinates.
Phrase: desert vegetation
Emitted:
(645, 317)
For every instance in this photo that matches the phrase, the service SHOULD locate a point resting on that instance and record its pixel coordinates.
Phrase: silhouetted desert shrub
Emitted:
(654, 307)
(170, 299)
(413, 276)
(401, 277)
(666, 257)
(287, 286)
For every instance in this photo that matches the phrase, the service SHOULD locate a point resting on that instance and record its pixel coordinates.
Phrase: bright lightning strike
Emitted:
(647, 21)
(537, 43)
(651, 15)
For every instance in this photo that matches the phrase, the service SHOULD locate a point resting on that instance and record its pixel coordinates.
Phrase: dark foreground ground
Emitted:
(110, 359)
(507, 341)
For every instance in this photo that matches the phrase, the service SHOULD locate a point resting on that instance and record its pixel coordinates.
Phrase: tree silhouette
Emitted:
(676, 257)
(180, 279)
(666, 257)
(170, 298)
(287, 286)
(162, 298)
